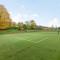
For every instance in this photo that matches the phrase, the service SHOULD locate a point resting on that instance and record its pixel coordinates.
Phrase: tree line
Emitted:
(6, 23)
(28, 25)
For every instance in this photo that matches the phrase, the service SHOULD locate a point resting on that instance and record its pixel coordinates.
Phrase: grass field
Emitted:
(30, 46)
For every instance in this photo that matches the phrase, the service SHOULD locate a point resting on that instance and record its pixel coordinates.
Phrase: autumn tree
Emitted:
(5, 21)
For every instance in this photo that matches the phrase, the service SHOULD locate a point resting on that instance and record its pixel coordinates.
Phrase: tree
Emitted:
(13, 25)
(32, 24)
(21, 26)
(27, 25)
(5, 21)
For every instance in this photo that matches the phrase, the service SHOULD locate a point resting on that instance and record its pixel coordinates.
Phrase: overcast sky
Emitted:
(44, 12)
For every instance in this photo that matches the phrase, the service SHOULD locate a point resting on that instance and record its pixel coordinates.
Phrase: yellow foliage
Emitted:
(5, 20)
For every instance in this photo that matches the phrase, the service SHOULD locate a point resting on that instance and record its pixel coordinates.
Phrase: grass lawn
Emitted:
(30, 46)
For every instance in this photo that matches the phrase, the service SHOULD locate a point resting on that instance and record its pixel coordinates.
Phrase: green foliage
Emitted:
(21, 26)
(33, 24)
(27, 23)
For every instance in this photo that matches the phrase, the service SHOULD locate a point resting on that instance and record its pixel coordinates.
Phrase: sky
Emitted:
(44, 12)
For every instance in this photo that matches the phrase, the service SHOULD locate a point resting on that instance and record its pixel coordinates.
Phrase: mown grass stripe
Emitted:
(34, 44)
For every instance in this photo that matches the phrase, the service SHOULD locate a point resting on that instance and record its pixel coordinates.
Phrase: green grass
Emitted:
(30, 46)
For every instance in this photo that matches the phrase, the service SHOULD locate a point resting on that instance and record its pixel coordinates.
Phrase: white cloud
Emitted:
(17, 18)
(23, 17)
(54, 22)
(22, 14)
(33, 16)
